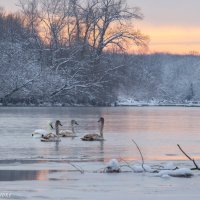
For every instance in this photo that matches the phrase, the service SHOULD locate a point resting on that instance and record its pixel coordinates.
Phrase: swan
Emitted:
(38, 133)
(95, 137)
(51, 137)
(68, 133)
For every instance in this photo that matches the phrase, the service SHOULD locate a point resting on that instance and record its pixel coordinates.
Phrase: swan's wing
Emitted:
(40, 131)
(49, 135)
(90, 137)
(65, 132)
(51, 140)
(36, 135)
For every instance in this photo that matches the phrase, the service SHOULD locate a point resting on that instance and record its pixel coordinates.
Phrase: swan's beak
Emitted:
(51, 126)
(60, 124)
(76, 123)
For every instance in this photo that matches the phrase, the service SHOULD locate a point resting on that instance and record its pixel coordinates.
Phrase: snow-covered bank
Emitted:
(154, 102)
(127, 102)
(54, 180)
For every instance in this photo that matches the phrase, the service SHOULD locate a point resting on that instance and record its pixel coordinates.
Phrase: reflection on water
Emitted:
(157, 130)
(28, 175)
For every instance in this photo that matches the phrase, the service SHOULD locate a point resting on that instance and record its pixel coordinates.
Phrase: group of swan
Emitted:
(51, 137)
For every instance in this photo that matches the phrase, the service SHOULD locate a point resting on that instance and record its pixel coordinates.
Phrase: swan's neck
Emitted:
(50, 127)
(57, 129)
(101, 129)
(73, 129)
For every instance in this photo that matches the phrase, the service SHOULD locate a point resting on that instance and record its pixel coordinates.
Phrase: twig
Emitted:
(140, 154)
(160, 167)
(195, 164)
(127, 164)
(77, 167)
(101, 170)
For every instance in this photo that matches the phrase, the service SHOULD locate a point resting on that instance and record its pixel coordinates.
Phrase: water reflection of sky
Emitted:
(157, 130)
(19, 175)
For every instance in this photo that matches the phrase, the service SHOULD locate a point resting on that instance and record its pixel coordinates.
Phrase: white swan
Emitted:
(38, 133)
(95, 137)
(51, 137)
(69, 133)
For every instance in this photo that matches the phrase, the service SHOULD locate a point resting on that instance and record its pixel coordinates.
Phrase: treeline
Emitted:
(71, 52)
(162, 78)
(63, 51)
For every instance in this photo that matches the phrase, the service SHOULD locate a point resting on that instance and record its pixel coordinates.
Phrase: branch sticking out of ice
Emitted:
(140, 154)
(77, 167)
(194, 162)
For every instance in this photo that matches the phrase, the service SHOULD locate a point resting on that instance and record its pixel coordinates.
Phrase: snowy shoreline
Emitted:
(128, 102)
(132, 102)
(53, 180)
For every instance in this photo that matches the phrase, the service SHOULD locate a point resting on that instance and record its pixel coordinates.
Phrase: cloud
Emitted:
(169, 12)
(174, 39)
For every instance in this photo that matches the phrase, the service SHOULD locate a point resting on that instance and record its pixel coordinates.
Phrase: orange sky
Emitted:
(172, 39)
(173, 25)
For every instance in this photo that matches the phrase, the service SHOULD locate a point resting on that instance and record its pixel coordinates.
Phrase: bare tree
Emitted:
(30, 13)
(109, 23)
(75, 36)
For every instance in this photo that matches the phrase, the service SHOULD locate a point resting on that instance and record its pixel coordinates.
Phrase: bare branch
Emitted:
(195, 164)
(140, 154)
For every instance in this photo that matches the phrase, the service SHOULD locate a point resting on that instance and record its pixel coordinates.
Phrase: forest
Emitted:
(71, 52)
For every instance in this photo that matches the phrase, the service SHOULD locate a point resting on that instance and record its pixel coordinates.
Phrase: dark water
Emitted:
(28, 175)
(157, 130)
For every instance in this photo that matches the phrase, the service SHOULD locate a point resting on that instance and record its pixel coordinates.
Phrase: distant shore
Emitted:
(116, 104)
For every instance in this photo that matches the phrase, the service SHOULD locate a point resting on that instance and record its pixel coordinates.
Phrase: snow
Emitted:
(139, 168)
(113, 166)
(182, 172)
(128, 101)
(64, 182)
(169, 166)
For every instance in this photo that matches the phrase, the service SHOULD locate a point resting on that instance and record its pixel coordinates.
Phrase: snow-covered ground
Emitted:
(67, 183)
(124, 101)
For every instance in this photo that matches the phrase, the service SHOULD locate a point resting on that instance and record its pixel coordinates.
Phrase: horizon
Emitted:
(173, 33)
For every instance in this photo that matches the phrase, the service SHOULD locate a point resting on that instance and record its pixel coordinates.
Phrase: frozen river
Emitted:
(30, 169)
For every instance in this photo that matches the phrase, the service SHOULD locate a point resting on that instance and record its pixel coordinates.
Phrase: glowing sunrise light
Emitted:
(170, 39)
(169, 27)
